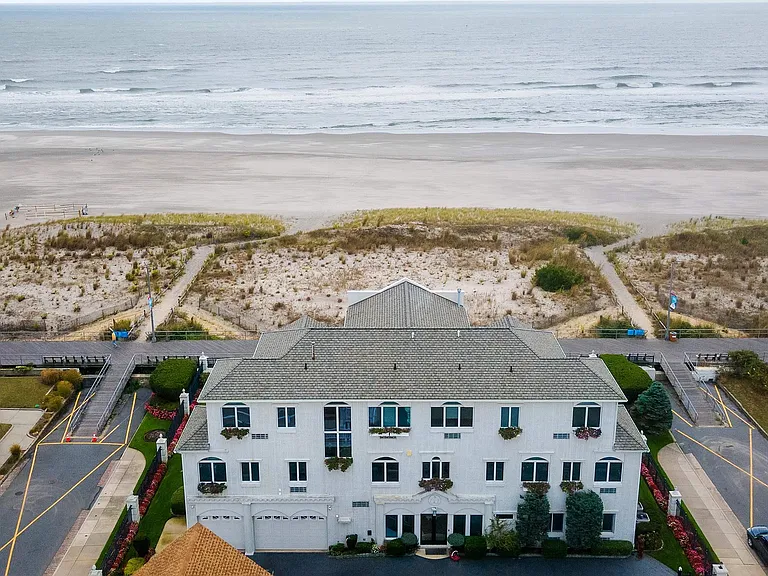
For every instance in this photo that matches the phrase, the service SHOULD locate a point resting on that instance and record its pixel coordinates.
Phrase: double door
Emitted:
(434, 529)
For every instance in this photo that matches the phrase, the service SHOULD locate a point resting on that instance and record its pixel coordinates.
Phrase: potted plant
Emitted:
(238, 433)
(585, 432)
(211, 487)
(509, 432)
(338, 463)
(571, 486)
(388, 431)
(539, 488)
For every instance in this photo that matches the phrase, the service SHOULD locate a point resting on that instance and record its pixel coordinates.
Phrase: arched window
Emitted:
(435, 468)
(212, 470)
(389, 415)
(235, 415)
(586, 414)
(337, 423)
(535, 470)
(608, 470)
(385, 470)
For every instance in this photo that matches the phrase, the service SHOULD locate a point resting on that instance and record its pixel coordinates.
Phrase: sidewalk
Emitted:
(715, 518)
(21, 420)
(86, 546)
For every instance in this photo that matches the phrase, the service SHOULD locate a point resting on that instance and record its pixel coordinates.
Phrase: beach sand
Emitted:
(648, 179)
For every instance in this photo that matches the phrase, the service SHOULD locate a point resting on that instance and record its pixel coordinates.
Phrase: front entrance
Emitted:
(434, 529)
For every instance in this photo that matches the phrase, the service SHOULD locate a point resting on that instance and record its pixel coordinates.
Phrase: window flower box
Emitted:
(585, 432)
(211, 487)
(336, 463)
(388, 431)
(238, 433)
(509, 432)
(571, 486)
(540, 488)
(436, 484)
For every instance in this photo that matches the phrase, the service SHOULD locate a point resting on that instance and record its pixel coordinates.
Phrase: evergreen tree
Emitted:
(583, 519)
(652, 410)
(532, 519)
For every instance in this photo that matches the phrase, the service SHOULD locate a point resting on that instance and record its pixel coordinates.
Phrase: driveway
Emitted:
(291, 564)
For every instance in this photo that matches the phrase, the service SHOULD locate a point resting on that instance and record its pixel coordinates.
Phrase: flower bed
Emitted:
(158, 412)
(661, 499)
(437, 484)
(152, 488)
(695, 555)
(124, 545)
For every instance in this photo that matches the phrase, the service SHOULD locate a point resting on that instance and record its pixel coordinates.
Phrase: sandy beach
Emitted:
(648, 179)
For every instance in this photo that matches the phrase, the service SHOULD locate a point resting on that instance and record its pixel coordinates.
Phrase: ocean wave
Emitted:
(751, 68)
(627, 76)
(16, 80)
(112, 90)
(144, 70)
(722, 84)
(447, 121)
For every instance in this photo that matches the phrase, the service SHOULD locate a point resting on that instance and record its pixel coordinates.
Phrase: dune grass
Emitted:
(21, 392)
(714, 223)
(275, 225)
(753, 397)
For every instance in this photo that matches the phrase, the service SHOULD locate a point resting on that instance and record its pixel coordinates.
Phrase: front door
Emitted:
(434, 529)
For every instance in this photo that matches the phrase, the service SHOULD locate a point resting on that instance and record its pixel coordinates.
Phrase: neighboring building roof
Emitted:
(195, 434)
(406, 304)
(508, 322)
(628, 437)
(304, 322)
(458, 364)
(199, 552)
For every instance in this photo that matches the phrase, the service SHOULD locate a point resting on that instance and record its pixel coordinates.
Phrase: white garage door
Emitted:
(301, 531)
(226, 526)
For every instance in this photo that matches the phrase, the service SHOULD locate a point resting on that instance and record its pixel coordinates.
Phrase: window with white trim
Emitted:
(396, 526)
(297, 471)
(494, 471)
(435, 468)
(510, 416)
(571, 471)
(586, 414)
(337, 424)
(286, 417)
(534, 470)
(385, 470)
(235, 415)
(609, 522)
(556, 522)
(212, 470)
(452, 415)
(608, 470)
(389, 415)
(249, 471)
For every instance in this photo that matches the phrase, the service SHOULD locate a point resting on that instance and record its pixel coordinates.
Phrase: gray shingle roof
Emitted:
(304, 322)
(508, 322)
(406, 305)
(544, 344)
(277, 344)
(195, 435)
(358, 363)
(628, 437)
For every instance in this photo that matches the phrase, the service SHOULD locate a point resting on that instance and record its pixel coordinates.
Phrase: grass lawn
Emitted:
(750, 395)
(160, 508)
(149, 449)
(4, 429)
(671, 554)
(21, 391)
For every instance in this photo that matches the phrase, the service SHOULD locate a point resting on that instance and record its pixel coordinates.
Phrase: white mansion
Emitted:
(406, 392)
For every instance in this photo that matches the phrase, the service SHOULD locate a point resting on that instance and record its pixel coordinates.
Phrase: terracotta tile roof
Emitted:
(199, 552)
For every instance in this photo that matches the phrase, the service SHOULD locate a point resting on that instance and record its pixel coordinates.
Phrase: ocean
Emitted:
(681, 68)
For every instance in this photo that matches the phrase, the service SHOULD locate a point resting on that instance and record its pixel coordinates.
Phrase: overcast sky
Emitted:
(49, 2)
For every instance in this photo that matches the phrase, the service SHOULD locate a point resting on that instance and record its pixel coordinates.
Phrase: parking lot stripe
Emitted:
(731, 410)
(130, 420)
(751, 484)
(21, 513)
(681, 418)
(69, 420)
(725, 408)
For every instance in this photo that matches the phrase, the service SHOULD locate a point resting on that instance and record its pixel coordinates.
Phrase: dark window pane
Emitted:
(390, 416)
(219, 472)
(476, 525)
(393, 472)
(451, 416)
(446, 470)
(466, 417)
(345, 418)
(374, 417)
(614, 474)
(245, 471)
(435, 469)
(437, 417)
(593, 417)
(291, 417)
(460, 524)
(504, 417)
(514, 416)
(244, 417)
(526, 474)
(404, 417)
(579, 415)
(576, 472)
(601, 471)
(228, 417)
(377, 472)
(345, 445)
(254, 471)
(281, 423)
(425, 470)
(557, 523)
(499, 471)
(302, 471)
(542, 471)
(330, 446)
(608, 522)
(488, 471)
(408, 523)
(329, 418)
(566, 471)
(391, 522)
(293, 471)
(205, 470)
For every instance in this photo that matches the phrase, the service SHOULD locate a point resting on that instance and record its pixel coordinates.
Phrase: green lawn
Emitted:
(149, 449)
(751, 396)
(4, 429)
(671, 554)
(160, 508)
(21, 391)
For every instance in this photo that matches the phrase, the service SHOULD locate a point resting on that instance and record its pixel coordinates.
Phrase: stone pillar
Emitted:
(162, 445)
(94, 571)
(132, 505)
(184, 401)
(203, 360)
(674, 498)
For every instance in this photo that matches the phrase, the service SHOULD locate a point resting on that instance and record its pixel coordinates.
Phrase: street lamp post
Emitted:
(151, 303)
(672, 303)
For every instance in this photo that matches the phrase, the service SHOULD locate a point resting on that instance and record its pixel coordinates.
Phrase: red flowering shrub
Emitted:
(125, 544)
(177, 435)
(660, 498)
(695, 555)
(152, 488)
(159, 412)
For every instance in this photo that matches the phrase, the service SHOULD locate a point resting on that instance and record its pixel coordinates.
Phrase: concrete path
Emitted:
(716, 519)
(87, 544)
(21, 421)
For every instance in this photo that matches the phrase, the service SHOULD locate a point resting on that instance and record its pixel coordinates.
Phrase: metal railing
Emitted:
(613, 333)
(116, 393)
(693, 536)
(78, 415)
(658, 478)
(642, 358)
(679, 390)
(169, 335)
(117, 542)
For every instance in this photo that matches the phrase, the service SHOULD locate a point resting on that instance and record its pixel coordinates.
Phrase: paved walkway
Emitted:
(719, 524)
(21, 420)
(86, 546)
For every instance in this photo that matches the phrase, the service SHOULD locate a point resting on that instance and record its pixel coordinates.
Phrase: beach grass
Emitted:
(714, 223)
(21, 392)
(750, 395)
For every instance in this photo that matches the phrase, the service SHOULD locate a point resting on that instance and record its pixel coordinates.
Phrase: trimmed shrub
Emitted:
(141, 543)
(337, 549)
(132, 566)
(178, 506)
(73, 376)
(171, 377)
(554, 278)
(456, 540)
(49, 376)
(53, 403)
(554, 549)
(410, 540)
(475, 547)
(652, 411)
(15, 450)
(351, 541)
(532, 519)
(502, 539)
(583, 520)
(631, 378)
(64, 389)
(363, 547)
(395, 547)
(613, 548)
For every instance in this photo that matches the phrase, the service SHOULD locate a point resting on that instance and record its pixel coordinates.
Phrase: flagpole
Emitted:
(669, 304)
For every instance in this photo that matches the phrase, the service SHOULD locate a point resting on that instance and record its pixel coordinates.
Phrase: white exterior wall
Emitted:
(332, 493)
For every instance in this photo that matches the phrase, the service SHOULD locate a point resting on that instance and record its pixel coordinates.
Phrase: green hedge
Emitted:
(178, 505)
(171, 376)
(475, 547)
(554, 549)
(395, 547)
(613, 548)
(631, 378)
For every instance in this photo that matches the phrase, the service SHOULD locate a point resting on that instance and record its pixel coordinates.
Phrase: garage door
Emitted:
(226, 526)
(301, 531)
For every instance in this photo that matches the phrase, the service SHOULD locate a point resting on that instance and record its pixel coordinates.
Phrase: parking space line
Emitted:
(65, 419)
(683, 419)
(109, 433)
(44, 512)
(731, 410)
(751, 484)
(69, 420)
(130, 420)
(723, 458)
(725, 408)
(21, 513)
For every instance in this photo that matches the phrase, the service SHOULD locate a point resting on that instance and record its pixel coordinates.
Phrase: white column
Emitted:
(184, 401)
(162, 445)
(204, 362)
(132, 505)
(674, 498)
(94, 571)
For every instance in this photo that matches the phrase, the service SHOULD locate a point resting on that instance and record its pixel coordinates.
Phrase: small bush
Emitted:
(141, 543)
(613, 548)
(410, 540)
(363, 547)
(554, 278)
(15, 451)
(502, 539)
(554, 549)
(395, 547)
(50, 376)
(171, 377)
(337, 549)
(456, 540)
(53, 403)
(132, 566)
(64, 389)
(178, 506)
(475, 547)
(73, 376)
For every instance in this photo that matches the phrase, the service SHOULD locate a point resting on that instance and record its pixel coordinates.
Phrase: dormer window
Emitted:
(236, 415)
(586, 415)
